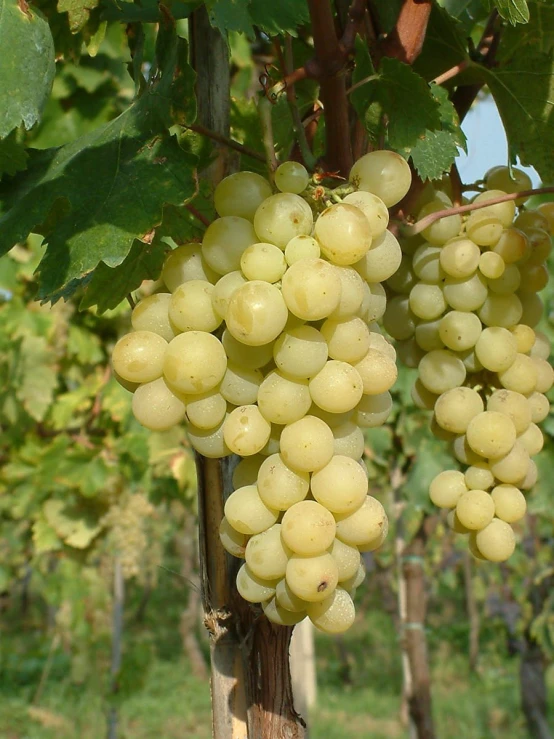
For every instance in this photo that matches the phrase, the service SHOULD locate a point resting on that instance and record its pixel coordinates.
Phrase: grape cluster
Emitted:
(464, 312)
(265, 344)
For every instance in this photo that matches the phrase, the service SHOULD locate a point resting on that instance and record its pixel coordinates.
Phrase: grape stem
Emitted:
(199, 216)
(230, 143)
(131, 301)
(264, 113)
(450, 73)
(408, 229)
(287, 62)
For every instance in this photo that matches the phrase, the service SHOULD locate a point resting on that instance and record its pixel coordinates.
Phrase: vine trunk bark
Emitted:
(250, 675)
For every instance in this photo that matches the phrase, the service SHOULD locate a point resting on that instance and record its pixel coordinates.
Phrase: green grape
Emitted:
(240, 385)
(312, 579)
(253, 588)
(348, 340)
(446, 488)
(307, 445)
(496, 542)
(335, 614)
(194, 362)
(459, 330)
(256, 313)
(241, 194)
(191, 307)
(283, 399)
(247, 513)
(291, 177)
(455, 409)
(279, 486)
(337, 387)
(343, 233)
(460, 258)
(301, 247)
(491, 434)
(300, 352)
(475, 509)
(139, 357)
(156, 406)
(263, 262)
(427, 301)
(224, 241)
(186, 263)
(246, 431)
(311, 289)
(441, 370)
(373, 209)
(426, 263)
(308, 528)
(496, 348)
(383, 173)
(509, 502)
(151, 314)
(267, 555)
(281, 217)
(341, 486)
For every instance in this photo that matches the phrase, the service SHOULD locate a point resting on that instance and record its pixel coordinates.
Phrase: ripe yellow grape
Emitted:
(337, 387)
(246, 471)
(491, 434)
(239, 385)
(496, 542)
(263, 262)
(383, 173)
(349, 439)
(460, 258)
(459, 330)
(348, 340)
(209, 442)
(475, 509)
(308, 528)
(307, 445)
(441, 370)
(301, 247)
(300, 352)
(279, 615)
(378, 372)
(514, 405)
(291, 177)
(341, 486)
(253, 588)
(194, 362)
(313, 578)
(513, 466)
(279, 486)
(364, 525)
(496, 348)
(335, 614)
(311, 289)
(283, 399)
(233, 541)
(256, 313)
(224, 289)
(343, 233)
(267, 555)
(139, 356)
(281, 217)
(446, 488)
(240, 194)
(224, 241)
(206, 410)
(455, 408)
(156, 406)
(191, 307)
(151, 314)
(246, 431)
(247, 513)
(382, 260)
(373, 208)
(358, 297)
(186, 263)
(373, 410)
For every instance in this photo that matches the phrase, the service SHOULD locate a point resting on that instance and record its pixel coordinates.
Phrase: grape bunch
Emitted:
(265, 344)
(464, 312)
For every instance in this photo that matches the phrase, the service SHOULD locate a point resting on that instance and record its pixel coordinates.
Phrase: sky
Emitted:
(487, 145)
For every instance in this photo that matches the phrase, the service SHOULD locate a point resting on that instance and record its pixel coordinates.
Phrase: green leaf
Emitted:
(434, 154)
(523, 90)
(45, 538)
(27, 65)
(230, 15)
(537, 34)
(149, 11)
(449, 117)
(13, 157)
(37, 376)
(78, 12)
(514, 11)
(109, 286)
(285, 16)
(444, 46)
(407, 101)
(76, 528)
(113, 181)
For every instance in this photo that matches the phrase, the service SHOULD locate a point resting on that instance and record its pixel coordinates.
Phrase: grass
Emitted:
(359, 686)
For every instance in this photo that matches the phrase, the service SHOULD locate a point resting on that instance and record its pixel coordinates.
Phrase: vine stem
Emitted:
(450, 73)
(199, 216)
(426, 221)
(226, 141)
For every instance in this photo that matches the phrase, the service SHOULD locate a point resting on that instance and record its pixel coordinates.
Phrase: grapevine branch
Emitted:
(230, 143)
(197, 214)
(426, 221)
(406, 40)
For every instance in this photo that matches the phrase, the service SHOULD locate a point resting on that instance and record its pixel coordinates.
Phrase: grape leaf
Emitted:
(449, 117)
(280, 17)
(523, 90)
(538, 33)
(514, 11)
(109, 286)
(434, 154)
(13, 157)
(444, 46)
(78, 12)
(37, 376)
(113, 180)
(230, 15)
(27, 71)
(398, 89)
